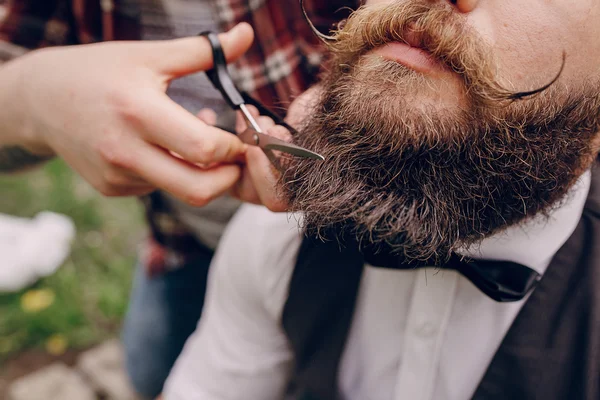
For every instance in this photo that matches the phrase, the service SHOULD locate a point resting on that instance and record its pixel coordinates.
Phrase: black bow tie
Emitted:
(503, 281)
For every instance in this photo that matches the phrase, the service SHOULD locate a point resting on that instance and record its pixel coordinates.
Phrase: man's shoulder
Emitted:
(259, 251)
(265, 237)
(259, 224)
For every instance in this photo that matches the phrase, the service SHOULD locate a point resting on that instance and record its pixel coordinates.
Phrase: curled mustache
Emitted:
(428, 181)
(405, 187)
(439, 30)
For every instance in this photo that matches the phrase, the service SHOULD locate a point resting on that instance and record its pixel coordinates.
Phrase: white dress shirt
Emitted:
(416, 335)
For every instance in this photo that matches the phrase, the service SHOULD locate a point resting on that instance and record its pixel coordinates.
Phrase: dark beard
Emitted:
(427, 182)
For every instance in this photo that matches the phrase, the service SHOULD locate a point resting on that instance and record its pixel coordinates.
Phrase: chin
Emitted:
(377, 79)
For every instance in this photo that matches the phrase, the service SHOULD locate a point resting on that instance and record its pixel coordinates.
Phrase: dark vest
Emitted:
(551, 351)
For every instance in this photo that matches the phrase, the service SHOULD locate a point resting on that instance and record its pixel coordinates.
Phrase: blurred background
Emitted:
(73, 317)
(84, 302)
(81, 305)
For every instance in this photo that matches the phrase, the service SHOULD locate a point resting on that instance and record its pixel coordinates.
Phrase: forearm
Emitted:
(15, 131)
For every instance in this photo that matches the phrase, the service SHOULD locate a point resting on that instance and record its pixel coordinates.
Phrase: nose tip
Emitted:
(465, 6)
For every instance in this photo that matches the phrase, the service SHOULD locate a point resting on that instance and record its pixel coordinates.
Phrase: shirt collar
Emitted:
(535, 243)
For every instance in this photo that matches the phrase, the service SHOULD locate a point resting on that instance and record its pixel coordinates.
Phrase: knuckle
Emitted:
(112, 152)
(253, 110)
(198, 198)
(207, 150)
(114, 179)
(265, 122)
(208, 116)
(279, 132)
(108, 190)
(128, 106)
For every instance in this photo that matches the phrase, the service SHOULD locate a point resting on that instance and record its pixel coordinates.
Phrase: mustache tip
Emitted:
(327, 39)
(523, 95)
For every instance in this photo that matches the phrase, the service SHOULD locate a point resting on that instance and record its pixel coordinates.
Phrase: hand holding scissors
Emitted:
(254, 136)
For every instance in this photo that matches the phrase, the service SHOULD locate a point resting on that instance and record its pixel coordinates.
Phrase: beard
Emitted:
(424, 181)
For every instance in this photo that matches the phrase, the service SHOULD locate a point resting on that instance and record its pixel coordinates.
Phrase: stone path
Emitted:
(98, 374)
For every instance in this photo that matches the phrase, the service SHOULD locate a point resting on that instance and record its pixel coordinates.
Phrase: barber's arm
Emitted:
(103, 109)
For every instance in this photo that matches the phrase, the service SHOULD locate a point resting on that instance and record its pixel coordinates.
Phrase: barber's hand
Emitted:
(258, 180)
(103, 108)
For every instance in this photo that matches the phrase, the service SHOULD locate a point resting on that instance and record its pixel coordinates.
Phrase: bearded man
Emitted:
(449, 243)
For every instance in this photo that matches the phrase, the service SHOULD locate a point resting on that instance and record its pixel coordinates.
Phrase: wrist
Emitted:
(18, 127)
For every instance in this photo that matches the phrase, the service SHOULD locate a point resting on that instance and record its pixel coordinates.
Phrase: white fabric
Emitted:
(417, 334)
(32, 248)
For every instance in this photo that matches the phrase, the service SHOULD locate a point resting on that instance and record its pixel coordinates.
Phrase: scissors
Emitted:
(221, 80)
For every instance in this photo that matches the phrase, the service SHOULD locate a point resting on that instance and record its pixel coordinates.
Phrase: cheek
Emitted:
(528, 39)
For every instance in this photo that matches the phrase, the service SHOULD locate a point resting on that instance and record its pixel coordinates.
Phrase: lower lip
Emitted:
(411, 57)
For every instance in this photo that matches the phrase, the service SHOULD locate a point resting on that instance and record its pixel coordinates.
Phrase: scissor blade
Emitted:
(266, 142)
(294, 150)
(249, 118)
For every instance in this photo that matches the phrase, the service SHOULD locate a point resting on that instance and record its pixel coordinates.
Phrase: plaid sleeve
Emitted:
(286, 56)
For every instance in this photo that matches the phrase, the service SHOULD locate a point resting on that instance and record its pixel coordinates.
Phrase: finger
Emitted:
(244, 189)
(127, 177)
(264, 176)
(171, 127)
(264, 179)
(278, 158)
(241, 116)
(180, 57)
(253, 110)
(265, 123)
(240, 122)
(121, 182)
(120, 187)
(279, 132)
(208, 116)
(121, 178)
(192, 185)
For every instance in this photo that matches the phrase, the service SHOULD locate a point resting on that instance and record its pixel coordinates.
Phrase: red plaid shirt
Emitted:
(282, 63)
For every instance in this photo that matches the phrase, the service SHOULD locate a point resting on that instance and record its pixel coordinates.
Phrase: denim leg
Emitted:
(163, 313)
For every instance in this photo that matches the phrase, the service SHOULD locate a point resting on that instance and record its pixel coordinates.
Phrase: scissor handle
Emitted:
(264, 110)
(219, 76)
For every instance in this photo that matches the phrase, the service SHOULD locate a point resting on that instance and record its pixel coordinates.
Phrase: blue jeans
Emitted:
(163, 313)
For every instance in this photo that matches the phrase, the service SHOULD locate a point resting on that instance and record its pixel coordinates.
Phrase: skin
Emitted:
(103, 109)
(133, 122)
(258, 180)
(528, 38)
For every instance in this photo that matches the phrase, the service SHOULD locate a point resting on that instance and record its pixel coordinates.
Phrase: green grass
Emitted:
(91, 289)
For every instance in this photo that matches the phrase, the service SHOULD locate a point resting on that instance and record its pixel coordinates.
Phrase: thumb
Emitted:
(181, 57)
